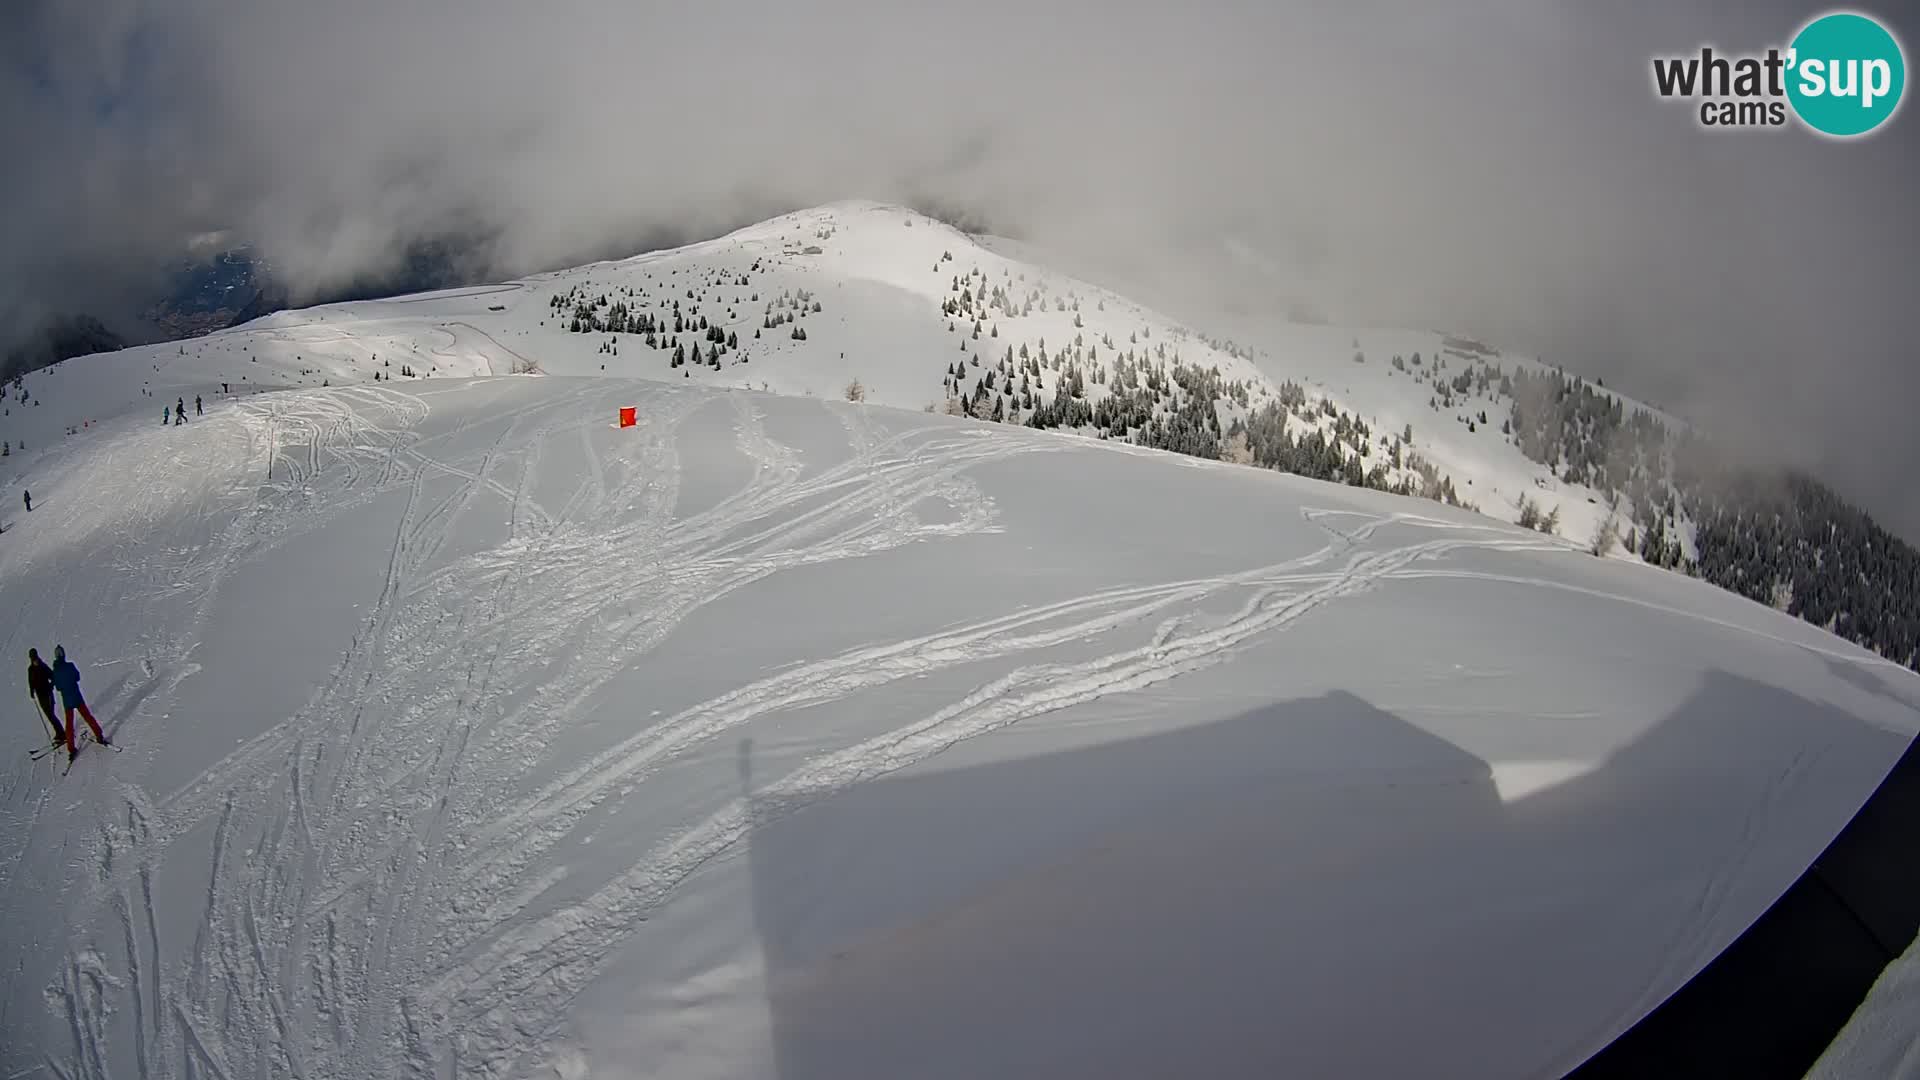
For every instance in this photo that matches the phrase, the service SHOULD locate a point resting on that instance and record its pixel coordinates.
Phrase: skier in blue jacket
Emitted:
(66, 679)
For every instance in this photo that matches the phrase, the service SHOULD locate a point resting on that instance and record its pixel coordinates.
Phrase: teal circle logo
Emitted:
(1845, 74)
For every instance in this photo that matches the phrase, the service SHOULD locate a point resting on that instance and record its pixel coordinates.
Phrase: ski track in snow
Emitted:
(382, 906)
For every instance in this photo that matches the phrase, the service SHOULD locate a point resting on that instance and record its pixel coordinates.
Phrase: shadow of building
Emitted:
(1313, 888)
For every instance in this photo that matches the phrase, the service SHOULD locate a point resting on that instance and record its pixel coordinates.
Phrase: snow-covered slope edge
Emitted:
(468, 734)
(1880, 1039)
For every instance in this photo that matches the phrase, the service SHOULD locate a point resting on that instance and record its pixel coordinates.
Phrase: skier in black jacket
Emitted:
(40, 685)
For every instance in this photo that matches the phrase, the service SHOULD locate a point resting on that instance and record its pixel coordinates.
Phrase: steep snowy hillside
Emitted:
(468, 734)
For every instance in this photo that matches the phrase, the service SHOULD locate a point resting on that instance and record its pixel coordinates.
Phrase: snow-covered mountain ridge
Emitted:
(879, 293)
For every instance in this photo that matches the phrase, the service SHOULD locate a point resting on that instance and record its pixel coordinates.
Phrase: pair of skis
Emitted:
(50, 748)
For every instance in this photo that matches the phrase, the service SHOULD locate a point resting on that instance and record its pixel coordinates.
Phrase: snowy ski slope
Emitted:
(467, 734)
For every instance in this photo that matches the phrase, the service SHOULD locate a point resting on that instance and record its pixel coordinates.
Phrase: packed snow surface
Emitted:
(468, 734)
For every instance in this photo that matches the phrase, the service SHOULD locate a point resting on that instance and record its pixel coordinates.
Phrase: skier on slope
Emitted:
(66, 679)
(197, 410)
(40, 685)
(28, 496)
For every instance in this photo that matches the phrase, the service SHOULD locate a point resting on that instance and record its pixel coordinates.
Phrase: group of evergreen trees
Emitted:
(1778, 537)
(786, 309)
(1154, 398)
(976, 296)
(1270, 444)
(1533, 517)
(627, 310)
(1788, 540)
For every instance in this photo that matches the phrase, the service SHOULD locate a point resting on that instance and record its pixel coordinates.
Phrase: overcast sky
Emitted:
(1500, 167)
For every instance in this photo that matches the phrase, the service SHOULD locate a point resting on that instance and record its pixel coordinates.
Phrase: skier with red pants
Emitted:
(66, 679)
(40, 685)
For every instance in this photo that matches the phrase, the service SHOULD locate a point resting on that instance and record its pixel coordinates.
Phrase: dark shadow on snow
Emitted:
(1872, 682)
(1771, 1002)
(1314, 888)
(124, 711)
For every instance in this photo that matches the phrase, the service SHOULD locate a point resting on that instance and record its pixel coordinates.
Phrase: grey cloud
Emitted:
(1499, 167)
